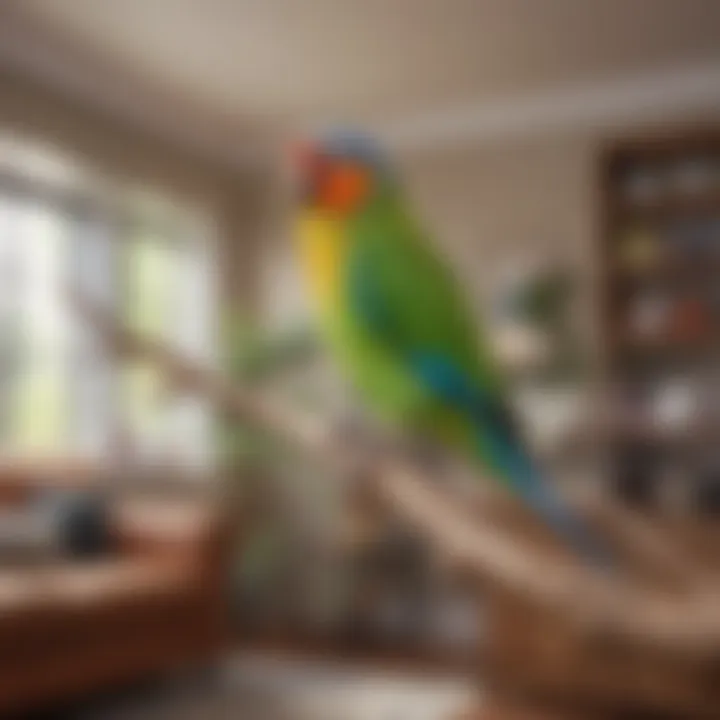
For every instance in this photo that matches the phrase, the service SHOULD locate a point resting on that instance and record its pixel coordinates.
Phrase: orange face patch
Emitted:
(344, 187)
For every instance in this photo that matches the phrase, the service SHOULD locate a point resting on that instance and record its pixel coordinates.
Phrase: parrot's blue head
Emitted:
(356, 147)
(342, 171)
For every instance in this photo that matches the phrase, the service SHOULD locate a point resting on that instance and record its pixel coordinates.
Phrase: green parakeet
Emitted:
(395, 319)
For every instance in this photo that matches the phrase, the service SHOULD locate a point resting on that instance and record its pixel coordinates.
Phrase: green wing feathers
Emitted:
(420, 304)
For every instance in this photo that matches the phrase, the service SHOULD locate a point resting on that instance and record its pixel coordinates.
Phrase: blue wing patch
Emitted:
(451, 384)
(438, 373)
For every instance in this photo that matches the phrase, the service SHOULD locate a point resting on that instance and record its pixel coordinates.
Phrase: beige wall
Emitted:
(489, 203)
(496, 205)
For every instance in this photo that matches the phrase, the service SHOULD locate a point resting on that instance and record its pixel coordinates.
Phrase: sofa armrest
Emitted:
(194, 532)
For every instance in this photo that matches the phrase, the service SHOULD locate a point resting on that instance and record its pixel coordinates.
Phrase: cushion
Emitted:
(80, 522)
(57, 524)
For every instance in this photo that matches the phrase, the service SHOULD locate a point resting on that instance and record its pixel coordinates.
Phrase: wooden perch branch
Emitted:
(596, 605)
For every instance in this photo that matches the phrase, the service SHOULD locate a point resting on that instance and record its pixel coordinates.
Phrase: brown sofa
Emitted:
(155, 605)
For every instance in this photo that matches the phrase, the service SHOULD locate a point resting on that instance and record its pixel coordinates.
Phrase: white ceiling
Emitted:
(383, 62)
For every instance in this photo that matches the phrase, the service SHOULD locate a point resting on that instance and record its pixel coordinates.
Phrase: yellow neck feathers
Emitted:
(321, 248)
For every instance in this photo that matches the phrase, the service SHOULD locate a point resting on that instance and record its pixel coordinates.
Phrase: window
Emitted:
(169, 293)
(151, 258)
(32, 326)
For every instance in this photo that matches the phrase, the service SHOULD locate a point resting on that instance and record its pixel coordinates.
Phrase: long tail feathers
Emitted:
(541, 497)
(497, 438)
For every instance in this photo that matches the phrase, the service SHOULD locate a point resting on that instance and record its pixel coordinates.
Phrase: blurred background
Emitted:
(564, 156)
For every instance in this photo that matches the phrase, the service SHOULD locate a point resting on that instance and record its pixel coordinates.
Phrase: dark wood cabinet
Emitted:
(660, 254)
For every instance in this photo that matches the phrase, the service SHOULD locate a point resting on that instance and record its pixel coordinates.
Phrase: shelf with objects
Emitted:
(661, 307)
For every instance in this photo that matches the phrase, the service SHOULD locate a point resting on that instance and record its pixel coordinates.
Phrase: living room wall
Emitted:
(494, 205)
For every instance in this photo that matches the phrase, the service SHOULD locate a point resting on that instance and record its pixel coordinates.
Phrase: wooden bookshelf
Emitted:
(660, 250)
